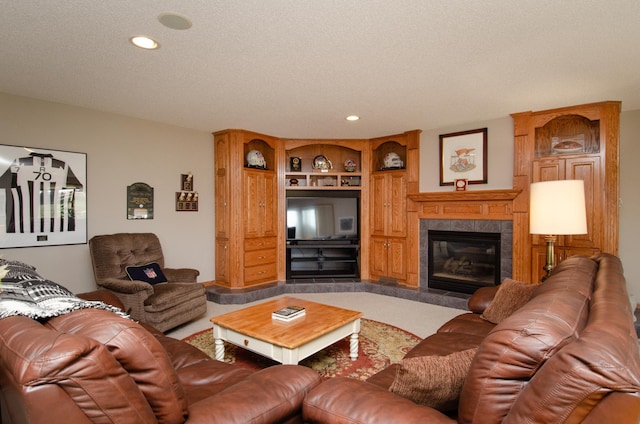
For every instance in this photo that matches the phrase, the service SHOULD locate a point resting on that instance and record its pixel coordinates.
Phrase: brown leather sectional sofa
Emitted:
(91, 365)
(569, 355)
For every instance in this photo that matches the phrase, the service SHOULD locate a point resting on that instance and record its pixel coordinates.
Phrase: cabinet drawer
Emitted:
(260, 243)
(259, 257)
(260, 273)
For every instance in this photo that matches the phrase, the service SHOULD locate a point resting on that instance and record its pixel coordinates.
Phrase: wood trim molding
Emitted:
(477, 204)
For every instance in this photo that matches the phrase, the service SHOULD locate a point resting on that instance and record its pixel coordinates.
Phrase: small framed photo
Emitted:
(463, 156)
(186, 182)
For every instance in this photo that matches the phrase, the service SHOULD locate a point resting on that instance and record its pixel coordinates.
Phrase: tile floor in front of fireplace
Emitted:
(419, 318)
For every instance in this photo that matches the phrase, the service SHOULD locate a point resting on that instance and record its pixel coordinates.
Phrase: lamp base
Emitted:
(551, 261)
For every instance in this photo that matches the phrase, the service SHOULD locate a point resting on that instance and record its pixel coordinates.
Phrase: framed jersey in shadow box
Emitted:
(43, 197)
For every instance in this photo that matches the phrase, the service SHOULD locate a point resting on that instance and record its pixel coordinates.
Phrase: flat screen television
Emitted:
(323, 215)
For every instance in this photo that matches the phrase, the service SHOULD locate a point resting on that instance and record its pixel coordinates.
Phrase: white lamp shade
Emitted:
(557, 208)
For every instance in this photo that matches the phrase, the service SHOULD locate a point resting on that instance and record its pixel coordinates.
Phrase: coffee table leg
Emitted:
(219, 349)
(353, 353)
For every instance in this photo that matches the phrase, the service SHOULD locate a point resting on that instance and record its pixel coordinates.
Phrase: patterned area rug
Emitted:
(380, 345)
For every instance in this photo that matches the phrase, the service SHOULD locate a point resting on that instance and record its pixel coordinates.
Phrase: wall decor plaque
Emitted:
(139, 201)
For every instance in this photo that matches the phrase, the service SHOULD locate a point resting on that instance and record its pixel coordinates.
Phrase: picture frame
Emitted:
(463, 155)
(43, 197)
(139, 201)
(346, 224)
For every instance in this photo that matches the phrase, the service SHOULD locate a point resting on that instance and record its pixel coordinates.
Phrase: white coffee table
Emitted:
(253, 329)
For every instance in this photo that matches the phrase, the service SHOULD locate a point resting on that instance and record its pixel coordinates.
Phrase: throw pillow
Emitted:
(510, 297)
(149, 273)
(434, 381)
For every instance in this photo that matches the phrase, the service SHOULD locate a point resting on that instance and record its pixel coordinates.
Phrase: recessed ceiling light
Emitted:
(352, 118)
(144, 42)
(174, 21)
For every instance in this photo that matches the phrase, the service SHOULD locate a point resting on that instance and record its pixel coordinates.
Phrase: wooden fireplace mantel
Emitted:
(477, 204)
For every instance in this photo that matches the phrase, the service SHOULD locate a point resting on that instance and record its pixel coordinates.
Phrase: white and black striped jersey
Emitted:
(40, 195)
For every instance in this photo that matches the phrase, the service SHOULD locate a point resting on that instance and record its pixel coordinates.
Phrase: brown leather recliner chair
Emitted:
(163, 306)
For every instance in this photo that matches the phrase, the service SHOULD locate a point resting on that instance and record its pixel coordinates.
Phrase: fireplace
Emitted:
(463, 261)
(501, 228)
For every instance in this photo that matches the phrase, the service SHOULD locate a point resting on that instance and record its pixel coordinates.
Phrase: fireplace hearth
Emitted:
(463, 261)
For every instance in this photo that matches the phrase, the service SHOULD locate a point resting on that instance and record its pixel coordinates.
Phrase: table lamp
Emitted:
(556, 208)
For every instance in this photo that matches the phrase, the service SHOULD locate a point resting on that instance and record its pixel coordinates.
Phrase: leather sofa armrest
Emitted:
(181, 275)
(346, 400)
(481, 299)
(127, 286)
(271, 395)
(104, 296)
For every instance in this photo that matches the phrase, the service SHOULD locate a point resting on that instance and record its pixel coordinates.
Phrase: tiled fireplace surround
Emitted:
(488, 211)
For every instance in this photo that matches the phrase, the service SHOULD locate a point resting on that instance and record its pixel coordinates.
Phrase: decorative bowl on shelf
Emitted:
(350, 165)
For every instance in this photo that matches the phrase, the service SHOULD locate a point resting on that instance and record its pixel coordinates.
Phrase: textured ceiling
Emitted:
(296, 68)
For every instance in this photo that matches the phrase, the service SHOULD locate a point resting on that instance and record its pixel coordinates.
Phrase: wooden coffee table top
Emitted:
(256, 321)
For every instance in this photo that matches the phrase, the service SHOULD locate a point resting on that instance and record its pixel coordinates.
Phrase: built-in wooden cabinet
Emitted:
(246, 209)
(390, 182)
(579, 142)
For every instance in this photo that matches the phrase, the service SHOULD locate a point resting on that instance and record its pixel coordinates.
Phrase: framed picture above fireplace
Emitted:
(463, 155)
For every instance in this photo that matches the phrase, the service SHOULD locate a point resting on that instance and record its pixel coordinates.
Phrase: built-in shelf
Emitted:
(324, 180)
(322, 259)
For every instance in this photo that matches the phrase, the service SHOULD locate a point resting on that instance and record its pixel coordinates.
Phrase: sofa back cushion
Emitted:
(603, 360)
(517, 347)
(138, 352)
(35, 359)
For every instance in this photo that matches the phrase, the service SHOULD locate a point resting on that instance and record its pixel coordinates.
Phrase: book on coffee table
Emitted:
(289, 313)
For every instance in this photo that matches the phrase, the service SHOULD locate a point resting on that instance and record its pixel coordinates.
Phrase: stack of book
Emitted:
(289, 313)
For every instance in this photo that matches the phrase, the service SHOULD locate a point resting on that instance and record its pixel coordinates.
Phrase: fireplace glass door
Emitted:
(463, 261)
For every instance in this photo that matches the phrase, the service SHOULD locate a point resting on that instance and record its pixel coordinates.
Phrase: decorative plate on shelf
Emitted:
(322, 163)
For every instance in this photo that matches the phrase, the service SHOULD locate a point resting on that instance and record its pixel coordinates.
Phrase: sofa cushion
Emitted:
(36, 359)
(510, 297)
(434, 381)
(149, 273)
(602, 360)
(520, 345)
(138, 352)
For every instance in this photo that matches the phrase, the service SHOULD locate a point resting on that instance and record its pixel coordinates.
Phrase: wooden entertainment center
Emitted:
(252, 246)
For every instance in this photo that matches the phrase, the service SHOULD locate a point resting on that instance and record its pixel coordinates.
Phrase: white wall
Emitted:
(120, 151)
(499, 155)
(629, 250)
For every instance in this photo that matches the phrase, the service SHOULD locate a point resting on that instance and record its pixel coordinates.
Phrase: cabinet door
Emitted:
(222, 188)
(269, 205)
(396, 258)
(587, 169)
(548, 170)
(379, 204)
(222, 260)
(378, 264)
(253, 198)
(539, 258)
(397, 205)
